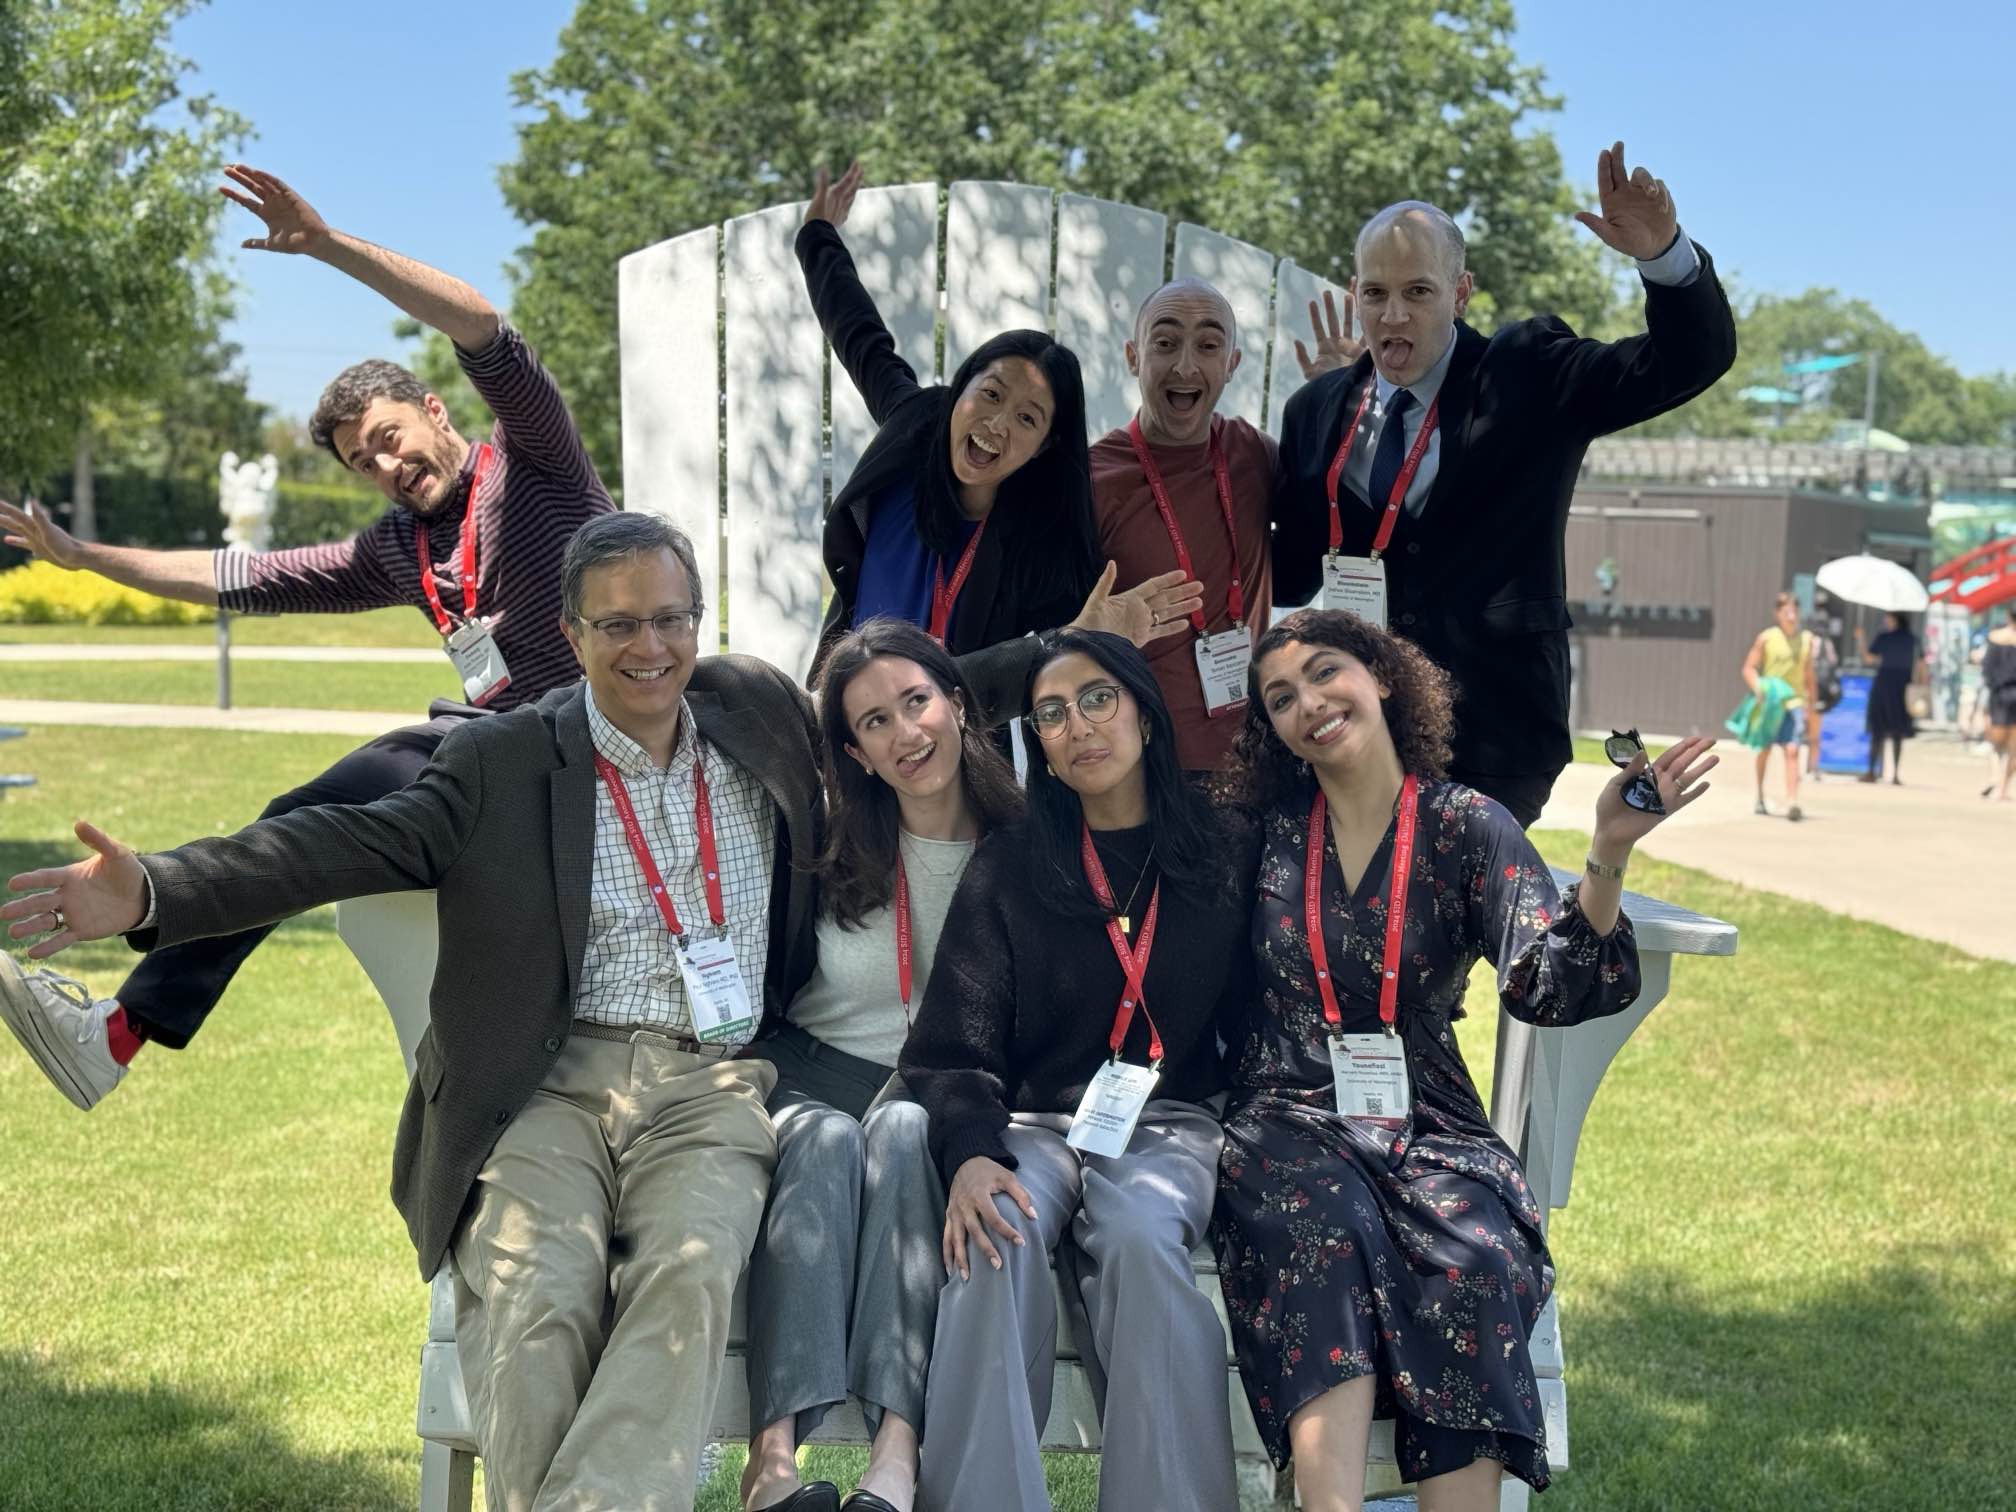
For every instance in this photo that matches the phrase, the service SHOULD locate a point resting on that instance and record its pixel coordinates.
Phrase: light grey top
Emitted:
(851, 1001)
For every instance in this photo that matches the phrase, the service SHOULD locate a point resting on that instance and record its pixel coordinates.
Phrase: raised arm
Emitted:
(190, 576)
(430, 296)
(1690, 337)
(846, 312)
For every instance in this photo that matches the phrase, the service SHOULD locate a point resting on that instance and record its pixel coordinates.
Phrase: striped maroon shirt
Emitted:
(539, 490)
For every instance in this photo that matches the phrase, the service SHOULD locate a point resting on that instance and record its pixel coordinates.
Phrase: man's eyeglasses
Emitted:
(675, 625)
(1098, 703)
(1641, 792)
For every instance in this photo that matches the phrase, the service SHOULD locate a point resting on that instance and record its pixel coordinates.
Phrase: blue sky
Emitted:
(1848, 145)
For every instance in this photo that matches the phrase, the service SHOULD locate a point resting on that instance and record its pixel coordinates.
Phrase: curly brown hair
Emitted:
(1419, 706)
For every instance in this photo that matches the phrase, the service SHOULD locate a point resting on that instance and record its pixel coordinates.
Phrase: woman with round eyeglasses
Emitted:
(1066, 1052)
(843, 1282)
(1380, 1251)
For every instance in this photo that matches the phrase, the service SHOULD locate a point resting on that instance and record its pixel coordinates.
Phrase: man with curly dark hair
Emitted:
(473, 540)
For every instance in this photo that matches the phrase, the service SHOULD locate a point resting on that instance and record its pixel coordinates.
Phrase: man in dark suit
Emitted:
(623, 904)
(1451, 457)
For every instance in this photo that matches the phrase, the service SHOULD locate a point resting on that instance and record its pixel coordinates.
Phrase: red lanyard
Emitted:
(468, 551)
(902, 932)
(710, 863)
(1396, 906)
(944, 597)
(1400, 484)
(1134, 962)
(1236, 599)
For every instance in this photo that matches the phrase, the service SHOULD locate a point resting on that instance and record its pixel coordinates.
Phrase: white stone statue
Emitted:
(245, 494)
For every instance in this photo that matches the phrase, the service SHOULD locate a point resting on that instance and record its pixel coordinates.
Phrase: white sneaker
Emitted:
(55, 1018)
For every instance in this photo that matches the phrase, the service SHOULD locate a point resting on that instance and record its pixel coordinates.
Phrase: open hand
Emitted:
(1335, 347)
(292, 224)
(31, 528)
(93, 899)
(831, 201)
(1150, 610)
(1636, 214)
(970, 1211)
(1679, 771)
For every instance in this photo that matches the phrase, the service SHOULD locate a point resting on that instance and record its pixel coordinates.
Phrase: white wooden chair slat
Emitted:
(1244, 274)
(666, 299)
(1109, 259)
(997, 263)
(776, 475)
(1294, 287)
(893, 234)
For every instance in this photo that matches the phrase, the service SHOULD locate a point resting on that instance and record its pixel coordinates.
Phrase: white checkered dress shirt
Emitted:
(630, 972)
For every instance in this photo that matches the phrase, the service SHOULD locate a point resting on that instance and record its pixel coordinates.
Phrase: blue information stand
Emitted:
(1844, 731)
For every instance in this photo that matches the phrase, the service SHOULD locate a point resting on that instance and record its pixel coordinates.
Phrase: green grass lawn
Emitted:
(376, 627)
(1788, 1274)
(254, 684)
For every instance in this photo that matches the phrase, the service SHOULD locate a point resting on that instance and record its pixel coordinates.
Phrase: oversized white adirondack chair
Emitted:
(763, 452)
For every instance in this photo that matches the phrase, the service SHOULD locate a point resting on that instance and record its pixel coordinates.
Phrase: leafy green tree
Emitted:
(1919, 395)
(106, 283)
(1285, 123)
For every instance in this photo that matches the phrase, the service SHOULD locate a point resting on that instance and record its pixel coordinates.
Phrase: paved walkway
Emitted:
(54, 711)
(1930, 858)
(14, 652)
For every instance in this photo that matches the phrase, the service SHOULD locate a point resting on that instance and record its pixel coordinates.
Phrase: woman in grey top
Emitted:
(844, 1279)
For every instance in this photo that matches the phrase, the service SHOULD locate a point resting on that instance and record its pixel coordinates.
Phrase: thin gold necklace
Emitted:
(1127, 913)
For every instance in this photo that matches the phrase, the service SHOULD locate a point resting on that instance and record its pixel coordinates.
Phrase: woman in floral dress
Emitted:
(1383, 1256)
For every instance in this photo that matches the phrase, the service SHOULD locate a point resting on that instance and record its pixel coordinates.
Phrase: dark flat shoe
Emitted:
(866, 1501)
(813, 1496)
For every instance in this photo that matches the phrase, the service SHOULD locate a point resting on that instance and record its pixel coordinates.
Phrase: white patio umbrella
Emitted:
(1874, 581)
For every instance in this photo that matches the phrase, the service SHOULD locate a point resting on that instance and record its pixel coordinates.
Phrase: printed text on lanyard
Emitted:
(715, 994)
(1222, 659)
(471, 647)
(1359, 583)
(1369, 1070)
(1114, 1098)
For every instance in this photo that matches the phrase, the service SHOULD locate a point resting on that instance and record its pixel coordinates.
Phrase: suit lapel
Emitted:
(739, 734)
(573, 819)
(1457, 398)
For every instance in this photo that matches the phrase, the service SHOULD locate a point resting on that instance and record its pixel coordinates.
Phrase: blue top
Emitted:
(897, 569)
(1894, 650)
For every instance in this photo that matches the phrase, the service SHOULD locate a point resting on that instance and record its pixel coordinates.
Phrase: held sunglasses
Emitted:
(1641, 792)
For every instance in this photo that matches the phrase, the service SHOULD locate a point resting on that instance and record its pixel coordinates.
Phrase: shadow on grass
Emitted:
(64, 1447)
(1884, 1388)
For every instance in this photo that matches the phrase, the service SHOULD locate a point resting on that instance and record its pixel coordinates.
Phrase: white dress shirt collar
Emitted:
(626, 755)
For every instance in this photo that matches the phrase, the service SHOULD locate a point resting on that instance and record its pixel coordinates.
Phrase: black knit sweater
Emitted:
(1022, 999)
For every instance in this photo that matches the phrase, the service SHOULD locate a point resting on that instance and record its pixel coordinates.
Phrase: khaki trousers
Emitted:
(595, 1270)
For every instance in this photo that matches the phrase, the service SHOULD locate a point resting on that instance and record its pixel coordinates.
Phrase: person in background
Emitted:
(1825, 626)
(1093, 958)
(1780, 675)
(843, 1283)
(1894, 655)
(1380, 1248)
(473, 540)
(970, 513)
(1998, 678)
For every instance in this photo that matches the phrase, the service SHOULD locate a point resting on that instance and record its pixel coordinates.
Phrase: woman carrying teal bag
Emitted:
(1780, 673)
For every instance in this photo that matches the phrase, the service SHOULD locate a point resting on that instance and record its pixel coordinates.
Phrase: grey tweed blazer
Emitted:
(502, 825)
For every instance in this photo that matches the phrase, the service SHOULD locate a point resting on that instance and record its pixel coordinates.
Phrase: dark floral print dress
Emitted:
(1411, 1253)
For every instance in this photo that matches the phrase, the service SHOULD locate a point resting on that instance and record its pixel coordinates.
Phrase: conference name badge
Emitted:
(478, 661)
(715, 994)
(1356, 584)
(1370, 1072)
(1111, 1107)
(1222, 660)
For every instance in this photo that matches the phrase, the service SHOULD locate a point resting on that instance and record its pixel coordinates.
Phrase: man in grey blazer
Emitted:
(623, 905)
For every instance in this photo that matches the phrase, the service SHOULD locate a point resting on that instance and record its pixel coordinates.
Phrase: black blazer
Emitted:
(994, 647)
(1478, 579)
(502, 824)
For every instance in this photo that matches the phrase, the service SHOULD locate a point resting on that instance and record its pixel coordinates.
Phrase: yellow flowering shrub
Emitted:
(40, 594)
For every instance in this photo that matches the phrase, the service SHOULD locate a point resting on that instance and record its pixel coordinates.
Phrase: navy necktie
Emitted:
(1391, 450)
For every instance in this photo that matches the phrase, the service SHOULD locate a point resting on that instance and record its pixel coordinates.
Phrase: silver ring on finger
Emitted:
(61, 922)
